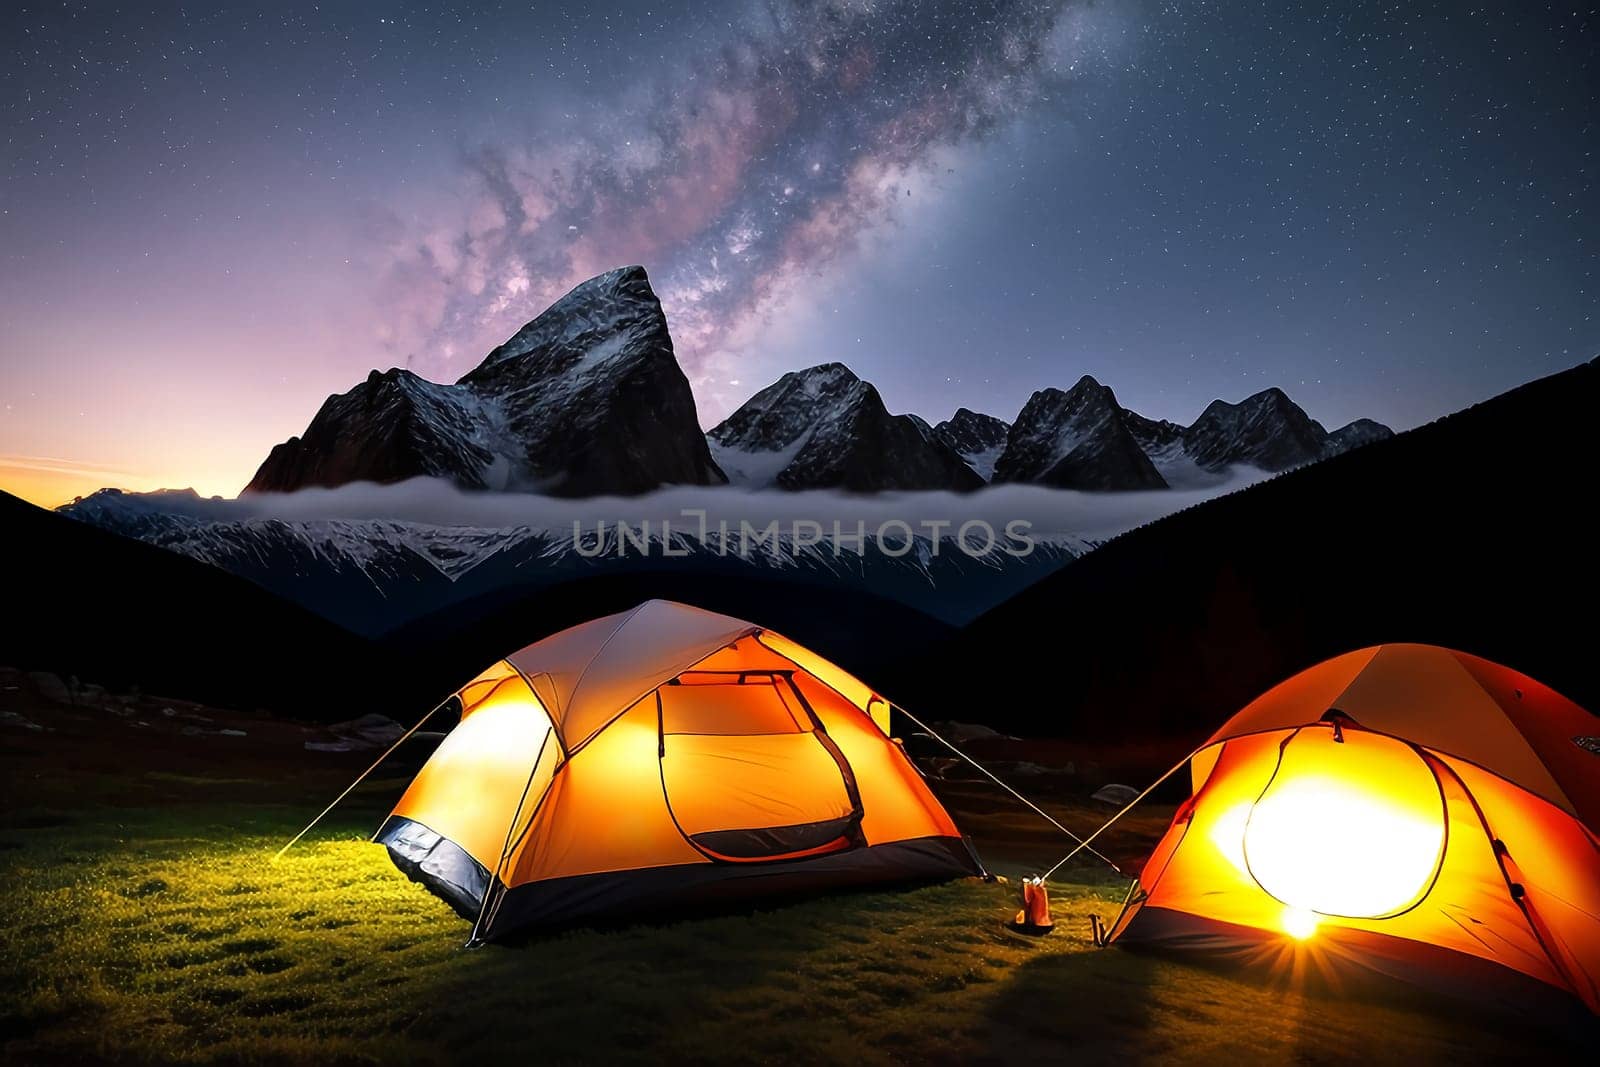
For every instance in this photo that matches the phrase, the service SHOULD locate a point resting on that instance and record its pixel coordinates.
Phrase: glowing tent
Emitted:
(663, 756)
(1403, 809)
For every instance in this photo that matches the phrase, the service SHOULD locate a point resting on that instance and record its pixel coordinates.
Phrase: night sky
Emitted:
(211, 218)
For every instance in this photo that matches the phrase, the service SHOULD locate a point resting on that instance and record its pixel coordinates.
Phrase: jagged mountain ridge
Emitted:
(586, 399)
(1084, 439)
(825, 428)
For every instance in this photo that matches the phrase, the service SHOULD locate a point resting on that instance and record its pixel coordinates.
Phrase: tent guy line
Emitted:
(402, 739)
(1135, 802)
(1082, 842)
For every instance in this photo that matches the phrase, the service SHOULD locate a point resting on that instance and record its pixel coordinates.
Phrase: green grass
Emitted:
(169, 935)
(145, 921)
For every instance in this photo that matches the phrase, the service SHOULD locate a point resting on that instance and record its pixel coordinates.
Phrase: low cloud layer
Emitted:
(736, 180)
(1055, 514)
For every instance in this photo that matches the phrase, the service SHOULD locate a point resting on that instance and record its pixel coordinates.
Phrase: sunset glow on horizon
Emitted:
(50, 483)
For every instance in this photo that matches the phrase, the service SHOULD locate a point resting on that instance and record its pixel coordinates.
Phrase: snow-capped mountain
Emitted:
(1271, 432)
(393, 426)
(1266, 430)
(1078, 439)
(1084, 439)
(977, 438)
(586, 399)
(373, 575)
(825, 428)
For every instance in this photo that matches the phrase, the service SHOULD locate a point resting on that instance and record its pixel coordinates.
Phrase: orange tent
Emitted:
(1403, 809)
(664, 755)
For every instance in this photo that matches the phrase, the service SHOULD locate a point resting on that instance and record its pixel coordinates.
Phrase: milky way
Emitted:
(748, 169)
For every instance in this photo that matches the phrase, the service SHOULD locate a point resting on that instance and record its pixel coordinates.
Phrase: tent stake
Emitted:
(359, 779)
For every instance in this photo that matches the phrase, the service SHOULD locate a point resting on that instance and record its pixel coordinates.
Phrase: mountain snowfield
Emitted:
(374, 557)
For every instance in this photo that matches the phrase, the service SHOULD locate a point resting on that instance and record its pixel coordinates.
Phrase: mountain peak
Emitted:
(587, 398)
(833, 370)
(966, 418)
(825, 428)
(824, 378)
(1263, 400)
(398, 379)
(1355, 434)
(1079, 439)
(1087, 390)
(1265, 430)
(612, 315)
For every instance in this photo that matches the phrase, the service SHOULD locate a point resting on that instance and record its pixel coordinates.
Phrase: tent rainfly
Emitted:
(1403, 809)
(663, 757)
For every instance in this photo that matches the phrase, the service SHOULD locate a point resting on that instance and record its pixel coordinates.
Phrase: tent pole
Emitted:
(1103, 937)
(474, 939)
(359, 779)
(1151, 788)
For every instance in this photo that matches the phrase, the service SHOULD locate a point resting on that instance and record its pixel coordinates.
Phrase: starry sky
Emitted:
(212, 217)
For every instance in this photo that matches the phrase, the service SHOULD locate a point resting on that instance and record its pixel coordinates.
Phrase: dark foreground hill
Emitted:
(1472, 532)
(119, 613)
(110, 610)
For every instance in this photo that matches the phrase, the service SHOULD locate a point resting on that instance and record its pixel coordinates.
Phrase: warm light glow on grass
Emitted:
(162, 937)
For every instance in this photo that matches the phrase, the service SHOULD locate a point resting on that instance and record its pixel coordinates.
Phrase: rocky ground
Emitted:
(67, 713)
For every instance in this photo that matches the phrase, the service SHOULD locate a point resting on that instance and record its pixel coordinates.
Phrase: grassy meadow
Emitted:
(145, 921)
